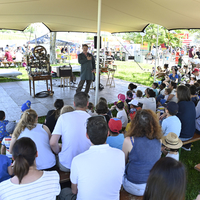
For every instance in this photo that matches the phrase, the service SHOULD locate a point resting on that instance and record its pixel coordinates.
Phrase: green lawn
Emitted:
(130, 71)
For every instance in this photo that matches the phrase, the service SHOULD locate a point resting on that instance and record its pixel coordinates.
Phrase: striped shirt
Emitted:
(47, 187)
(6, 142)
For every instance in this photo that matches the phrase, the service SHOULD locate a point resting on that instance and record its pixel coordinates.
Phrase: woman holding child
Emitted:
(142, 150)
(40, 134)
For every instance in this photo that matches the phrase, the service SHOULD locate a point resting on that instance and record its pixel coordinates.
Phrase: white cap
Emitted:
(134, 102)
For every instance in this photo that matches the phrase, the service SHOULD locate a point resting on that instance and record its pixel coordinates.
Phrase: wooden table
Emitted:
(39, 78)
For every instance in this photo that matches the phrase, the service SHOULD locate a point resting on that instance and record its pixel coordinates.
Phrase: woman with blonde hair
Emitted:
(142, 148)
(28, 182)
(40, 134)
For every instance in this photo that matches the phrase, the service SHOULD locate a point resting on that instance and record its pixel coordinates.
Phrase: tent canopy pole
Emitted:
(98, 51)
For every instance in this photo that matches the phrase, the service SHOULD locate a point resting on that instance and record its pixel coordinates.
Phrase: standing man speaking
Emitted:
(87, 68)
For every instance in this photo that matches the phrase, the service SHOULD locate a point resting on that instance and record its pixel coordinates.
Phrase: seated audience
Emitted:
(40, 134)
(193, 94)
(3, 123)
(129, 97)
(109, 112)
(5, 168)
(97, 173)
(172, 145)
(186, 114)
(166, 95)
(132, 88)
(115, 138)
(142, 150)
(192, 79)
(121, 113)
(52, 115)
(172, 77)
(154, 86)
(66, 109)
(28, 182)
(149, 101)
(133, 108)
(5, 145)
(102, 109)
(71, 128)
(172, 122)
(90, 109)
(172, 96)
(167, 180)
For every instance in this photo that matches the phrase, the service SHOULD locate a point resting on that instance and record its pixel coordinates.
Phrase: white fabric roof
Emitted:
(117, 15)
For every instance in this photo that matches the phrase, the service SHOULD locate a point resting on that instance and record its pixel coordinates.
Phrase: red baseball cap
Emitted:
(195, 70)
(115, 125)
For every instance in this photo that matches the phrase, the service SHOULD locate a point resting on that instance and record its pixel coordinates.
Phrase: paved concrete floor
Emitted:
(14, 94)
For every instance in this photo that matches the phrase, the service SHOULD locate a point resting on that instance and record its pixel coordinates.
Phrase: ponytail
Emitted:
(27, 121)
(24, 154)
(21, 167)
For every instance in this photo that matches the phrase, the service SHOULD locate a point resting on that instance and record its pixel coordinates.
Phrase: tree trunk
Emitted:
(53, 48)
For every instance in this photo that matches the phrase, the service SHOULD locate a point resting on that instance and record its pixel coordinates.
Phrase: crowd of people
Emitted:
(100, 151)
(102, 147)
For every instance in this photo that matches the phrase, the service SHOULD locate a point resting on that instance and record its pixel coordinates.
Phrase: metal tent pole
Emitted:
(156, 53)
(98, 51)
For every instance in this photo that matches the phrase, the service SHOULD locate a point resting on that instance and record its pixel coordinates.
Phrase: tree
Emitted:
(53, 47)
(169, 38)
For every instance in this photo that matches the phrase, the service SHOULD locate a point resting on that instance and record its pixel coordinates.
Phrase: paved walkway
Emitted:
(14, 94)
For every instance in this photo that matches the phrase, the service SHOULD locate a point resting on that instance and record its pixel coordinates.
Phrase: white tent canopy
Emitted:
(117, 16)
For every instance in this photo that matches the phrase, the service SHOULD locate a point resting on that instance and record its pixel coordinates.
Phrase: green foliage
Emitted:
(30, 29)
(170, 39)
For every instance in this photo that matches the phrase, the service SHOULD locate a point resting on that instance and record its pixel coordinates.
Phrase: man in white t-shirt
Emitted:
(97, 173)
(71, 127)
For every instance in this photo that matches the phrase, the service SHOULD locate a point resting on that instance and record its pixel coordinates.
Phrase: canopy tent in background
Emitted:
(45, 39)
(116, 15)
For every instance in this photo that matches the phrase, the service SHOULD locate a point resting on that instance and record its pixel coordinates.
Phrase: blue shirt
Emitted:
(171, 124)
(156, 91)
(5, 162)
(3, 132)
(173, 78)
(116, 141)
(187, 115)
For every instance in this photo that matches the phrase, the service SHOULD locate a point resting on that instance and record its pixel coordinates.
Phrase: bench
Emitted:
(126, 196)
(64, 176)
(195, 138)
(197, 167)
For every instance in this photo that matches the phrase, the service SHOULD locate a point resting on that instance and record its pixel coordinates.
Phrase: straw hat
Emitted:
(172, 141)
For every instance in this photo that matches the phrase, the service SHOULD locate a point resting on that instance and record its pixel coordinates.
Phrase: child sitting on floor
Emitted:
(133, 108)
(121, 114)
(192, 79)
(90, 109)
(3, 123)
(5, 145)
(172, 122)
(132, 88)
(129, 97)
(166, 95)
(66, 109)
(172, 145)
(193, 94)
(115, 138)
(5, 168)
(154, 86)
